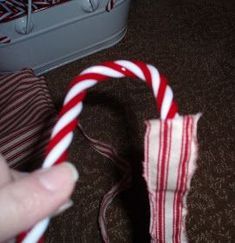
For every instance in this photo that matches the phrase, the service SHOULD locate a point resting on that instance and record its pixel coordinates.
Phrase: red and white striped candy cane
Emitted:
(62, 133)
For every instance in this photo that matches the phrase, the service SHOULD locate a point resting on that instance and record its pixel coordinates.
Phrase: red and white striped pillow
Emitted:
(27, 115)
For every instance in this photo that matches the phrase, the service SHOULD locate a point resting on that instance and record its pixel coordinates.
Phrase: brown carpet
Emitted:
(192, 43)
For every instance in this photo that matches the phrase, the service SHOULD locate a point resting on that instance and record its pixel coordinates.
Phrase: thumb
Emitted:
(25, 202)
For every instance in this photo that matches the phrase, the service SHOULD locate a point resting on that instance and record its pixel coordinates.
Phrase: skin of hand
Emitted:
(25, 199)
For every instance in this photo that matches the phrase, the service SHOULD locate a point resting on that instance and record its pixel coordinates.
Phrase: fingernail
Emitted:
(57, 177)
(64, 207)
(73, 169)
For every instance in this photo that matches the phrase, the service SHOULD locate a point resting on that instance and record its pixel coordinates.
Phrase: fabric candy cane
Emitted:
(62, 136)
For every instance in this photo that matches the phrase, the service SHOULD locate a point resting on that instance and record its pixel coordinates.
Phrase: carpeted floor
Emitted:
(192, 43)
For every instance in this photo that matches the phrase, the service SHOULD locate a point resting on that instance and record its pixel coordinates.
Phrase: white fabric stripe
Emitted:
(153, 154)
(107, 71)
(132, 67)
(38, 230)
(155, 79)
(12, 79)
(167, 163)
(191, 169)
(166, 103)
(27, 147)
(152, 172)
(21, 131)
(146, 175)
(146, 151)
(37, 103)
(184, 188)
(177, 131)
(58, 150)
(26, 156)
(79, 88)
(178, 175)
(35, 114)
(22, 123)
(26, 140)
(15, 140)
(20, 83)
(21, 100)
(158, 166)
(174, 163)
(67, 118)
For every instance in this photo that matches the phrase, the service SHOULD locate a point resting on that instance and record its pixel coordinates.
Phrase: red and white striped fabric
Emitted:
(27, 116)
(170, 154)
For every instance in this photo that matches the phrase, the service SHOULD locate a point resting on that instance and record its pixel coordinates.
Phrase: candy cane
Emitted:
(62, 133)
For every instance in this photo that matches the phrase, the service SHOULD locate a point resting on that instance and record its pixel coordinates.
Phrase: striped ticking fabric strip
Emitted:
(170, 154)
(27, 116)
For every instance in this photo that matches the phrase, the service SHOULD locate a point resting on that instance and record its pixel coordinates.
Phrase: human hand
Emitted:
(25, 199)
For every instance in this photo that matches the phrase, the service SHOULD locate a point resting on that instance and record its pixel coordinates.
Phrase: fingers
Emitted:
(35, 196)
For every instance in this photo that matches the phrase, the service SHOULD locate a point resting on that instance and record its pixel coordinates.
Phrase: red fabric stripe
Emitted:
(21, 131)
(180, 180)
(184, 176)
(29, 157)
(35, 114)
(28, 139)
(16, 81)
(28, 94)
(37, 152)
(162, 177)
(33, 88)
(161, 189)
(60, 135)
(73, 102)
(175, 212)
(26, 150)
(22, 101)
(7, 90)
(14, 125)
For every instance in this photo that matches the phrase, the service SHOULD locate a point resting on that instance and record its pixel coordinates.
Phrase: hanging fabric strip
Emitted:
(170, 155)
(124, 166)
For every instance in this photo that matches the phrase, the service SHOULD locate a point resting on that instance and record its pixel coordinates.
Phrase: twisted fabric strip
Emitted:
(62, 133)
(123, 165)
